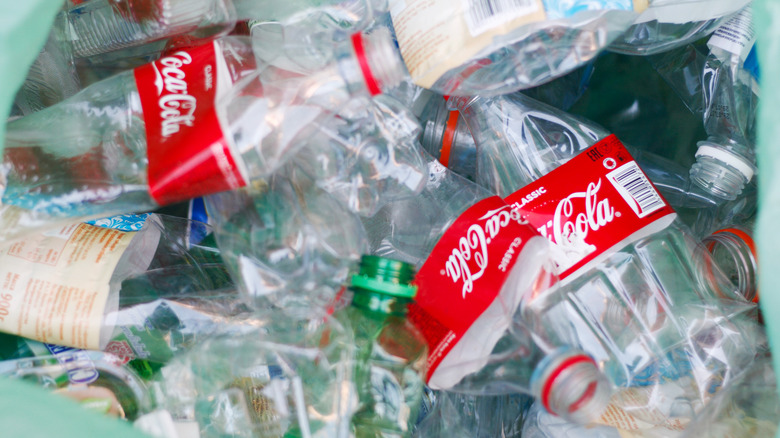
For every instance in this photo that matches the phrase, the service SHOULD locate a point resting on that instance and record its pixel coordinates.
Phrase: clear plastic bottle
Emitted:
(111, 149)
(645, 306)
(496, 354)
(726, 161)
(667, 24)
(490, 48)
(390, 353)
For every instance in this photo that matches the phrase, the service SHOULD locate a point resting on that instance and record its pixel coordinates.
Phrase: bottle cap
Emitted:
(386, 276)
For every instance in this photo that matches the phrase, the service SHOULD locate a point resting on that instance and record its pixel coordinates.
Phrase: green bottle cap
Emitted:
(385, 276)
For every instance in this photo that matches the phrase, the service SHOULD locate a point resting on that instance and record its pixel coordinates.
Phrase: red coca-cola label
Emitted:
(596, 203)
(188, 153)
(465, 273)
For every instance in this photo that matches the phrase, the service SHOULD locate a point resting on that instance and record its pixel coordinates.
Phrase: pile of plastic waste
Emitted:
(390, 218)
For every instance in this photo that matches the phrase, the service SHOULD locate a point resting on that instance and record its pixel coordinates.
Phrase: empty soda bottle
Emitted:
(131, 156)
(477, 261)
(667, 24)
(637, 290)
(489, 48)
(726, 161)
(390, 354)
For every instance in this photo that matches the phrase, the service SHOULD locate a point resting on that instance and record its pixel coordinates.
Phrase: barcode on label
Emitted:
(636, 189)
(483, 15)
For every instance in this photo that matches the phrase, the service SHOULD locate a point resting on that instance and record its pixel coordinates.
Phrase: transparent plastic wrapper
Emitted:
(638, 292)
(144, 294)
(489, 48)
(98, 381)
(287, 377)
(667, 24)
(288, 243)
(459, 416)
(367, 157)
(218, 129)
(477, 261)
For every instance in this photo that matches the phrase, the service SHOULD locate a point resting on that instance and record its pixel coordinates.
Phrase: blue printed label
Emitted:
(566, 8)
(125, 222)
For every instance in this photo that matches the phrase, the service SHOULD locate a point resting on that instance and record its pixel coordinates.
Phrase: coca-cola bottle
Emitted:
(195, 122)
(637, 291)
(477, 261)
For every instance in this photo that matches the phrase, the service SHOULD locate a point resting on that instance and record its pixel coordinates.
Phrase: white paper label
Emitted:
(54, 286)
(737, 36)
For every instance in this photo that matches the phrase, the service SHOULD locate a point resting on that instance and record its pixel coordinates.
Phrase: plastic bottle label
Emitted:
(737, 36)
(54, 287)
(465, 273)
(590, 207)
(438, 35)
(188, 153)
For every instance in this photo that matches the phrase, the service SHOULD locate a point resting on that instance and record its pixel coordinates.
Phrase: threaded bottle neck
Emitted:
(733, 251)
(720, 170)
(383, 285)
(379, 60)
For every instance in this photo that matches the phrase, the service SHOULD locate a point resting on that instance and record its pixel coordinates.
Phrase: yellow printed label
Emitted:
(54, 286)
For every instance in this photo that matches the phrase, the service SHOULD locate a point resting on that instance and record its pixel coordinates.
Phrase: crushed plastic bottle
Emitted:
(131, 156)
(470, 289)
(638, 292)
(461, 416)
(287, 377)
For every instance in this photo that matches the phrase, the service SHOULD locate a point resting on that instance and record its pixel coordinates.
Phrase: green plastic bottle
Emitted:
(390, 353)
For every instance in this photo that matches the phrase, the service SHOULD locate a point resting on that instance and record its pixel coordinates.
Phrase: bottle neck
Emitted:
(733, 251)
(372, 64)
(379, 303)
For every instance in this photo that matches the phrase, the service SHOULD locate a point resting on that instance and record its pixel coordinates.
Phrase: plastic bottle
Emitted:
(726, 161)
(638, 292)
(667, 24)
(288, 377)
(469, 291)
(98, 165)
(390, 353)
(490, 48)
